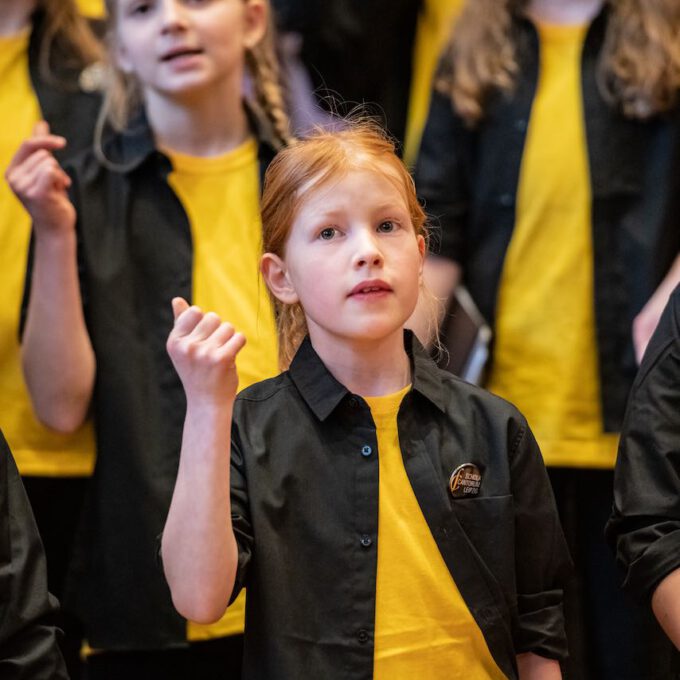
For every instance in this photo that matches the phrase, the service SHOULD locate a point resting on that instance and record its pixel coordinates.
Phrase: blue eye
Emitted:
(387, 226)
(327, 234)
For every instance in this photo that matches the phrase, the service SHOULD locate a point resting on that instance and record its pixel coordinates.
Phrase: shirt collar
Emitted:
(132, 147)
(322, 392)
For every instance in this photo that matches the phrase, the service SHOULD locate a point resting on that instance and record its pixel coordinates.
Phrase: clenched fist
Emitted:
(41, 185)
(203, 350)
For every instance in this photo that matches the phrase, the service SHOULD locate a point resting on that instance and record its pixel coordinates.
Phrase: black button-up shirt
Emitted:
(28, 636)
(469, 178)
(135, 253)
(645, 524)
(305, 514)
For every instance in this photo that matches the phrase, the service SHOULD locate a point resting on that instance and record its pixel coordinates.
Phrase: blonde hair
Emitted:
(308, 164)
(66, 41)
(124, 95)
(638, 71)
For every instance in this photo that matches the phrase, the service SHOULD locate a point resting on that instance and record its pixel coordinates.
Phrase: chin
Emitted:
(377, 332)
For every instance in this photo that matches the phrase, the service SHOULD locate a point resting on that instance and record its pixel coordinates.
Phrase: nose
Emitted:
(173, 16)
(368, 253)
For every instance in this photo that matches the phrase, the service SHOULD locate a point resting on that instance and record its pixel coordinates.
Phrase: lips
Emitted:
(178, 52)
(373, 287)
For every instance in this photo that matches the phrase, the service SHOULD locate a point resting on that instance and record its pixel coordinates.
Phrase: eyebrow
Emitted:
(386, 208)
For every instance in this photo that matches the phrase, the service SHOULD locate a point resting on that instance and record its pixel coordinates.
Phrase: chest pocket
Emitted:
(489, 523)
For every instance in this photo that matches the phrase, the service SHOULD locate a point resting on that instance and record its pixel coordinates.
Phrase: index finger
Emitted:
(30, 146)
(179, 304)
(187, 320)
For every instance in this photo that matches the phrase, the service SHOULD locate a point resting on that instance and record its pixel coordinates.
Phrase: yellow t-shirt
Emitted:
(545, 357)
(221, 196)
(423, 628)
(435, 24)
(38, 450)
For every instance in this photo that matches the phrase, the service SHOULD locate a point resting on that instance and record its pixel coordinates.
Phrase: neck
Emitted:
(201, 125)
(14, 17)
(561, 12)
(370, 368)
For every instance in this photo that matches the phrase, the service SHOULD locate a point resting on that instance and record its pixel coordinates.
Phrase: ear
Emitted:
(275, 274)
(256, 18)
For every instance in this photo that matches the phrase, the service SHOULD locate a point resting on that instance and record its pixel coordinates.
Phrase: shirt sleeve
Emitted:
(240, 513)
(542, 561)
(28, 637)
(441, 179)
(645, 525)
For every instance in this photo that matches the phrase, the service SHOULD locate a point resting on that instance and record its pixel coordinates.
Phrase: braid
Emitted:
(263, 65)
(292, 329)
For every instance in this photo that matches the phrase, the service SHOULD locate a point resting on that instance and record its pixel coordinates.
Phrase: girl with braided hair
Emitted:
(165, 204)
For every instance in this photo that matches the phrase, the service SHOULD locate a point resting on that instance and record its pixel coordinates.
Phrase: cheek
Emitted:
(316, 283)
(411, 269)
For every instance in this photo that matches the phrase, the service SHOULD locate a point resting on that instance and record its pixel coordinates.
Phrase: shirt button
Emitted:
(353, 402)
(366, 450)
(362, 636)
(506, 200)
(366, 541)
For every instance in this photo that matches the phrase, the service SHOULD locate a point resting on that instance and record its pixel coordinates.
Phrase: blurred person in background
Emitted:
(48, 71)
(645, 525)
(165, 203)
(551, 159)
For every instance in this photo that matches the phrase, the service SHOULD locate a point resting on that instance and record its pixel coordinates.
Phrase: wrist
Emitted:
(209, 408)
(55, 240)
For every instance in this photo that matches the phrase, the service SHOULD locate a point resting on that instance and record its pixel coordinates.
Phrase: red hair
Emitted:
(308, 164)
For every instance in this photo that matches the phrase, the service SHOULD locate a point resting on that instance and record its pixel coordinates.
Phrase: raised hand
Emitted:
(39, 182)
(203, 350)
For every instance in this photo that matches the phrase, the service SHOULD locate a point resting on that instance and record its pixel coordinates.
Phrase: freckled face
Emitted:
(353, 259)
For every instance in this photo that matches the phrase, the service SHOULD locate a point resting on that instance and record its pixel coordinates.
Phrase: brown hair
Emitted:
(123, 95)
(311, 163)
(639, 67)
(67, 39)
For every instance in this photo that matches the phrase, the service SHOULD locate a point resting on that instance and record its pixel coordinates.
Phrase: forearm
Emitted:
(441, 276)
(58, 359)
(199, 551)
(666, 606)
(534, 667)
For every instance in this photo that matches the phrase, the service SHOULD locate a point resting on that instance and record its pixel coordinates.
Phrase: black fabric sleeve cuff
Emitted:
(646, 572)
(541, 625)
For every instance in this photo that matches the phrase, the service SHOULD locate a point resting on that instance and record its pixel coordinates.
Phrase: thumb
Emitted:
(179, 305)
(41, 128)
